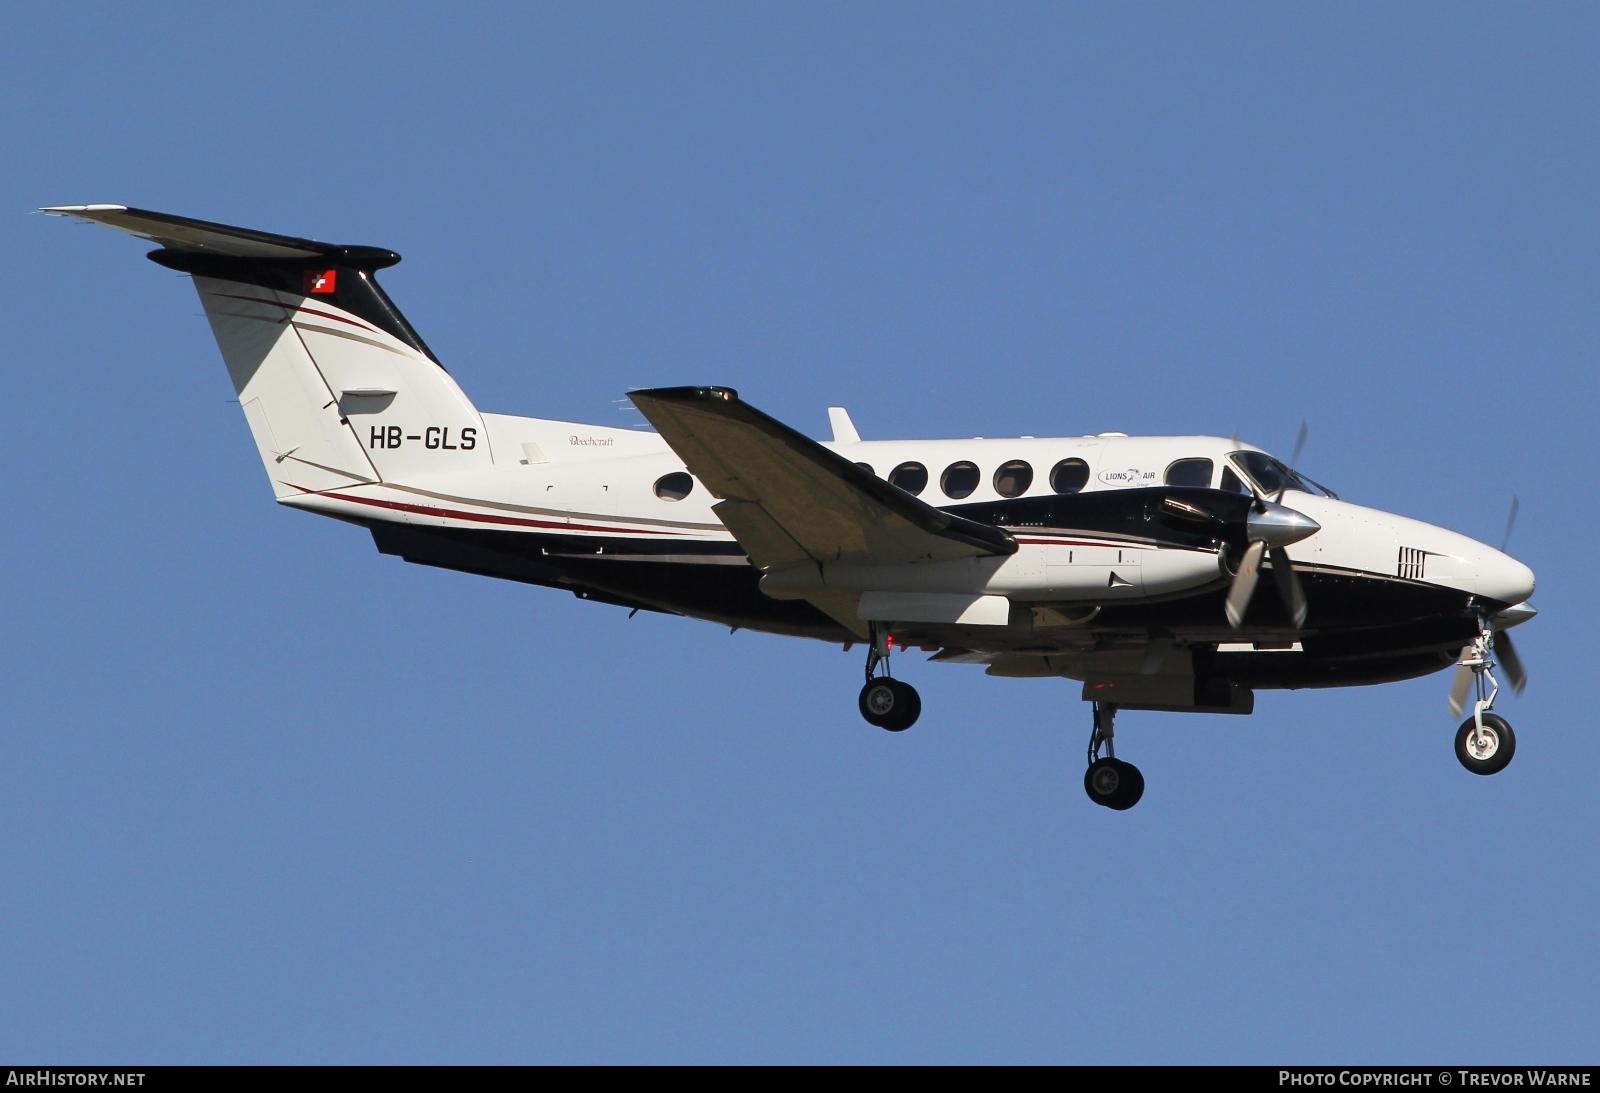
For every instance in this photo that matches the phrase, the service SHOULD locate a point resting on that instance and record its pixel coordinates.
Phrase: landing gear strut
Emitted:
(885, 702)
(1484, 742)
(1109, 781)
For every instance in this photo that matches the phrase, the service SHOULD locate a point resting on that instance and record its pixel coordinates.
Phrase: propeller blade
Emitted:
(1294, 597)
(1511, 522)
(1244, 583)
(1299, 443)
(1299, 446)
(1460, 684)
(1506, 654)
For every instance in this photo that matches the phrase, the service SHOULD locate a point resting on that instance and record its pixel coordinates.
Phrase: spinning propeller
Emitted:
(1476, 657)
(1270, 528)
(1493, 646)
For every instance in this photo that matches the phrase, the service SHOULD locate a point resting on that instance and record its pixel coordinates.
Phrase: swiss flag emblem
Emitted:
(321, 282)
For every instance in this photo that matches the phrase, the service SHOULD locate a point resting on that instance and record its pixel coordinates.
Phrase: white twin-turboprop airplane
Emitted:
(1127, 563)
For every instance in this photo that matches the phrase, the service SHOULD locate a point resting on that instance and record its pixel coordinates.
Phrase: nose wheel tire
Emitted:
(1113, 783)
(1490, 752)
(890, 704)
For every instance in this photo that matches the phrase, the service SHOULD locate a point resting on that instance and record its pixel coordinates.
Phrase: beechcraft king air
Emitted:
(1128, 564)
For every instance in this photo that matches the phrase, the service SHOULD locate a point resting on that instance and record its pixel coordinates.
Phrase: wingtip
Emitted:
(74, 210)
(685, 394)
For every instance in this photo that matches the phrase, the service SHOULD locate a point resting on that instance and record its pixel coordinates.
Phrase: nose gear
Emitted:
(1484, 742)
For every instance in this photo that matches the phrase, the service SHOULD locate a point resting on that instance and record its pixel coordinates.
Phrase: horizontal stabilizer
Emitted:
(186, 235)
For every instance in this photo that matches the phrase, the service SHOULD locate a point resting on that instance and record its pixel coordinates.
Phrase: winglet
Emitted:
(844, 430)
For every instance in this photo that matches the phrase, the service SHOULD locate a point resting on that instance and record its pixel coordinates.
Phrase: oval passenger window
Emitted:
(1013, 478)
(911, 477)
(959, 479)
(675, 486)
(1069, 476)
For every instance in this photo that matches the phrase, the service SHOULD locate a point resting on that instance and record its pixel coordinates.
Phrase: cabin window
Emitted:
(1013, 478)
(1190, 472)
(1069, 476)
(959, 479)
(1231, 483)
(867, 467)
(675, 486)
(911, 477)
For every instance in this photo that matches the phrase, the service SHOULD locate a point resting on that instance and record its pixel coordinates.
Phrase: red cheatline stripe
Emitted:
(479, 517)
(307, 310)
(335, 318)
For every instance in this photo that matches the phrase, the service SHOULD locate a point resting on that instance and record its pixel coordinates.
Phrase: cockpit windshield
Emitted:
(1270, 476)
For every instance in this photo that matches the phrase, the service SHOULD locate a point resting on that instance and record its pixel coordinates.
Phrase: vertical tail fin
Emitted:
(336, 385)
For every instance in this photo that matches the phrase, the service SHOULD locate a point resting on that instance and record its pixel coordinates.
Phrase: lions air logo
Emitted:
(1133, 476)
(321, 282)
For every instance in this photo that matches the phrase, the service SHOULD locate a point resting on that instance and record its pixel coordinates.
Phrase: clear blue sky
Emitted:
(271, 797)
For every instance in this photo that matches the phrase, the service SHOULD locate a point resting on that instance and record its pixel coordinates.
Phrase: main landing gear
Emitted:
(885, 702)
(1109, 781)
(1484, 742)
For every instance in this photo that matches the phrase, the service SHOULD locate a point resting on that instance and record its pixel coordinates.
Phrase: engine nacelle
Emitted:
(1041, 571)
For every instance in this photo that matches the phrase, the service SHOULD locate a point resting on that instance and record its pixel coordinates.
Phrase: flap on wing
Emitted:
(788, 499)
(761, 536)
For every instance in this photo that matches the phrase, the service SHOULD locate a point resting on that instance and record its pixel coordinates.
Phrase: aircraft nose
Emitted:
(1501, 577)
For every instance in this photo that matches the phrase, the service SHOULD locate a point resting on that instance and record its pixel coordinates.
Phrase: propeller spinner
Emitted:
(1270, 528)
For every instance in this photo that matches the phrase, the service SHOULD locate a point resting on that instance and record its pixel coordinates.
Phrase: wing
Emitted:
(788, 500)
